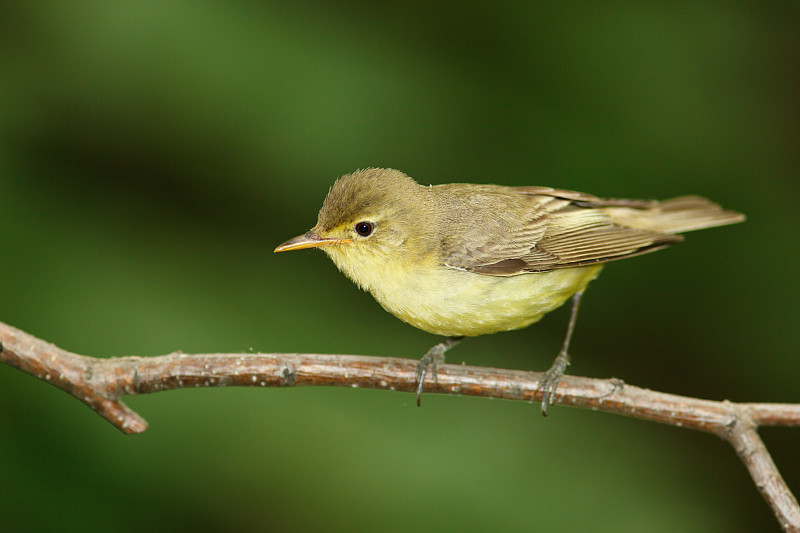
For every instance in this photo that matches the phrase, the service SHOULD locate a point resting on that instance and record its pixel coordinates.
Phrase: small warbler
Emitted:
(462, 260)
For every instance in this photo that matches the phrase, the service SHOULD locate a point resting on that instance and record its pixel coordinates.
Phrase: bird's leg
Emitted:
(432, 360)
(549, 382)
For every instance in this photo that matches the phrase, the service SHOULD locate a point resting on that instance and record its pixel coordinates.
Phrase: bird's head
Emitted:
(369, 222)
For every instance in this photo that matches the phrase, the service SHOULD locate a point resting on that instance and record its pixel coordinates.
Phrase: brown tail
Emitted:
(676, 215)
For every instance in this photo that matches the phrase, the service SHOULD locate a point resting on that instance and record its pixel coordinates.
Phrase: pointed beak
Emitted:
(308, 240)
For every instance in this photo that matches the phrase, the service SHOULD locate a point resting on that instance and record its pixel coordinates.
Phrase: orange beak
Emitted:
(308, 240)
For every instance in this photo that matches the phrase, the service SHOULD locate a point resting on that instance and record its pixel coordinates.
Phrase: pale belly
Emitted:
(458, 303)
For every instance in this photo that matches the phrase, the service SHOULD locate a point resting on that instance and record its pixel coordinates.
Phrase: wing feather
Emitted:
(546, 229)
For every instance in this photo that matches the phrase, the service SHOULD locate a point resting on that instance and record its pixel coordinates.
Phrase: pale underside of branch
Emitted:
(100, 383)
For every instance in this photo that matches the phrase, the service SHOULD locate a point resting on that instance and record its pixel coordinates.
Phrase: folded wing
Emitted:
(555, 228)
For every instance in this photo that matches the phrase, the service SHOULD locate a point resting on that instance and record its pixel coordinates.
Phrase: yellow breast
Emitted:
(446, 301)
(455, 303)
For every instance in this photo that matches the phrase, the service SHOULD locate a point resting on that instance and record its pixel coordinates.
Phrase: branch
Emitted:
(99, 383)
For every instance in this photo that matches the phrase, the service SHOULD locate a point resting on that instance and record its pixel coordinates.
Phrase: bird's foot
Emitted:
(430, 363)
(549, 382)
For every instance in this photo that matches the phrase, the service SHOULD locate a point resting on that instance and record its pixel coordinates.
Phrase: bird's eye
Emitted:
(364, 228)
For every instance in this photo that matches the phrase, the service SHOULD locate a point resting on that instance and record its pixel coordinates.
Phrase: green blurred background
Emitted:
(152, 154)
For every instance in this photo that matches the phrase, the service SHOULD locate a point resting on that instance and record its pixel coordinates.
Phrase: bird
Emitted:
(461, 260)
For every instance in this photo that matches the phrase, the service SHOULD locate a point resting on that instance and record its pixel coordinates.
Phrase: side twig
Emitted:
(100, 383)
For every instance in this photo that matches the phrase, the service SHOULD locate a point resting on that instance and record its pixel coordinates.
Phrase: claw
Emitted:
(431, 361)
(424, 364)
(550, 379)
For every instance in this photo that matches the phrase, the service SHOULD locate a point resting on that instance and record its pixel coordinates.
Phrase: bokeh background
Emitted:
(152, 154)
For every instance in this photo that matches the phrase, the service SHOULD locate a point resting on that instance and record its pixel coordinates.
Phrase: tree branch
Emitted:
(99, 383)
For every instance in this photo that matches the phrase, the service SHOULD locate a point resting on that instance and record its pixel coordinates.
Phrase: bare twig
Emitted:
(100, 383)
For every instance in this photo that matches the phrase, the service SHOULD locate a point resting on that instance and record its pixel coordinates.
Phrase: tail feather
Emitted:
(676, 215)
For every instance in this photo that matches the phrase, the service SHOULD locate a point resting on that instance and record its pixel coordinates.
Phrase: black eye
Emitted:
(364, 228)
